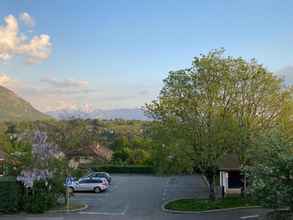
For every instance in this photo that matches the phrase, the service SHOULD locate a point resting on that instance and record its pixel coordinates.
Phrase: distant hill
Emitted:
(14, 108)
(126, 114)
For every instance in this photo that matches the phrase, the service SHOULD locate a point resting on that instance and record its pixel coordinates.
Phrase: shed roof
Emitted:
(230, 162)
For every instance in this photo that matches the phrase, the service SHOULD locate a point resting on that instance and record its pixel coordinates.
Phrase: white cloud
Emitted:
(27, 19)
(54, 94)
(66, 83)
(60, 94)
(4, 79)
(13, 42)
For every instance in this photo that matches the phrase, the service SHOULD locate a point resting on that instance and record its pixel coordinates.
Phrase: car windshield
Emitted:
(146, 109)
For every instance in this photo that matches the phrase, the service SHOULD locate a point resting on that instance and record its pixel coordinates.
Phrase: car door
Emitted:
(83, 185)
(92, 184)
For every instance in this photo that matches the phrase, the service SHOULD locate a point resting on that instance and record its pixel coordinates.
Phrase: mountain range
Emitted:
(123, 113)
(14, 108)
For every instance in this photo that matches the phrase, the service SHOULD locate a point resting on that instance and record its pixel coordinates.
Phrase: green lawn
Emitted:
(205, 204)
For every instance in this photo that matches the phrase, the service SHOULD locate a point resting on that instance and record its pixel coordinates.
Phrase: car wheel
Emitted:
(97, 190)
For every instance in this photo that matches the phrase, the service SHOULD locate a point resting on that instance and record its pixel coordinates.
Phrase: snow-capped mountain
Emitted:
(126, 114)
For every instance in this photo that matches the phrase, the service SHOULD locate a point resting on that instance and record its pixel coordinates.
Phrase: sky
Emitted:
(107, 54)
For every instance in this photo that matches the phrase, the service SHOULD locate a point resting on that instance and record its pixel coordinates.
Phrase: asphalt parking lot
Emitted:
(140, 197)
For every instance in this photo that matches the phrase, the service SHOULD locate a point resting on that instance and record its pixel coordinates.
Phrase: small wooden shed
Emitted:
(231, 180)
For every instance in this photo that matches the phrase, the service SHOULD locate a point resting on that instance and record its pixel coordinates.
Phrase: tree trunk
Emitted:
(210, 177)
(243, 190)
(244, 185)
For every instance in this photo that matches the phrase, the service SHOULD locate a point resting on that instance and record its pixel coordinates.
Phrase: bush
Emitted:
(39, 199)
(79, 172)
(9, 195)
(279, 215)
(14, 197)
(131, 157)
(125, 169)
(271, 178)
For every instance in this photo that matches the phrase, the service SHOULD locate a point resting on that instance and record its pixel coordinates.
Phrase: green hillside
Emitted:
(13, 108)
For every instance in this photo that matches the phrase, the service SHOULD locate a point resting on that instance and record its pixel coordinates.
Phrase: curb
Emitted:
(202, 212)
(85, 206)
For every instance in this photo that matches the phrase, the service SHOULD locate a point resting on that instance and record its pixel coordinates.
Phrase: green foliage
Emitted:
(131, 156)
(121, 156)
(19, 156)
(125, 169)
(76, 137)
(40, 198)
(272, 177)
(219, 105)
(44, 194)
(10, 196)
(279, 215)
(4, 139)
(139, 157)
(172, 159)
(14, 197)
(78, 172)
(205, 204)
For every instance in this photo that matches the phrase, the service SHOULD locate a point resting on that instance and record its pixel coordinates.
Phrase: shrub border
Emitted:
(126, 169)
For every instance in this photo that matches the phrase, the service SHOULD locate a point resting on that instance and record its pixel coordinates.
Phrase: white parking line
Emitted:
(166, 186)
(250, 217)
(105, 213)
(100, 213)
(125, 210)
(88, 199)
(44, 218)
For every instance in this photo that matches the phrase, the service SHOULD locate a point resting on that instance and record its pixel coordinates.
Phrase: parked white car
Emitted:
(99, 175)
(96, 185)
(105, 181)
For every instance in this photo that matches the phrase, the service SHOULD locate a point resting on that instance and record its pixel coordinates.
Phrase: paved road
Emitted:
(139, 197)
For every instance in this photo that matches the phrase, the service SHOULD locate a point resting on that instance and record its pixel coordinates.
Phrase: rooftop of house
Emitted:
(102, 152)
(229, 162)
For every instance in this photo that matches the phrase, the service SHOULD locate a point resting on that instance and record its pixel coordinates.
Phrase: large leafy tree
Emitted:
(217, 106)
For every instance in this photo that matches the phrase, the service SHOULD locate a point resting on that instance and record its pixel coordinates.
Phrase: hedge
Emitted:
(14, 197)
(125, 169)
(10, 194)
(39, 199)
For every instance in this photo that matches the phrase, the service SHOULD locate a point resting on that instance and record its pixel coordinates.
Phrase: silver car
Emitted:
(98, 175)
(96, 185)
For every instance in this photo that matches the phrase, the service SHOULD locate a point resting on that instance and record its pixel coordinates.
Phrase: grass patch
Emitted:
(205, 204)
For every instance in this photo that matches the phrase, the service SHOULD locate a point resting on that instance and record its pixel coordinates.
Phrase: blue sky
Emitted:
(122, 50)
